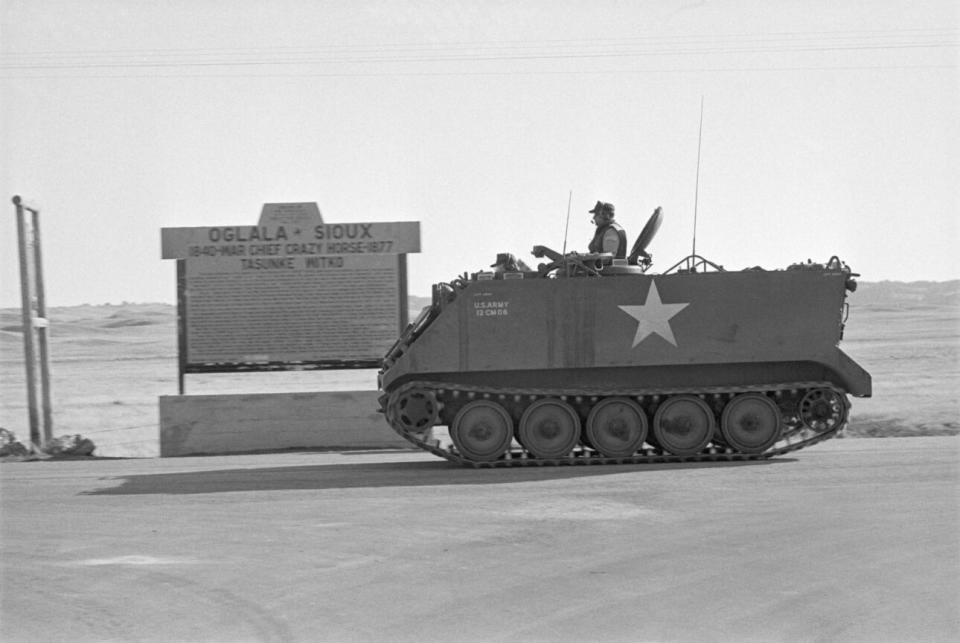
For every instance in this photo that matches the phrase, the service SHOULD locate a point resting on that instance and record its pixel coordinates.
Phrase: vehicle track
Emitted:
(798, 432)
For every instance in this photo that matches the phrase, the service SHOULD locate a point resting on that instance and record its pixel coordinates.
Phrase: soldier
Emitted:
(507, 262)
(609, 236)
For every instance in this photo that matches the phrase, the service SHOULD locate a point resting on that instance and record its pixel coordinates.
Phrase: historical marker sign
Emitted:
(290, 292)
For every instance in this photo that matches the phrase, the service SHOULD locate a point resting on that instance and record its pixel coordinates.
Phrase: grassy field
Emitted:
(110, 364)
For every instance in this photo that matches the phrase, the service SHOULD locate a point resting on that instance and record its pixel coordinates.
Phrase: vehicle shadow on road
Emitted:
(379, 474)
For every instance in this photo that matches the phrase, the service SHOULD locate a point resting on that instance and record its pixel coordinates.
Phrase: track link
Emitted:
(796, 434)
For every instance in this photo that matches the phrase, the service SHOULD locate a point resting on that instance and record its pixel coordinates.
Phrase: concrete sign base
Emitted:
(221, 424)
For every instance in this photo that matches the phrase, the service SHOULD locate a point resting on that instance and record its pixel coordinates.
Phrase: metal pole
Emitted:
(181, 323)
(402, 274)
(26, 303)
(566, 230)
(696, 191)
(43, 324)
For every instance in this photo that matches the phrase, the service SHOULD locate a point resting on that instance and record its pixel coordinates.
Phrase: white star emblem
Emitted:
(653, 317)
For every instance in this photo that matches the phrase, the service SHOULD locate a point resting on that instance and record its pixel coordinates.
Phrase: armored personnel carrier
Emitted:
(592, 360)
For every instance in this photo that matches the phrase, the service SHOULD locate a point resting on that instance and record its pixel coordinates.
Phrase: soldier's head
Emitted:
(602, 213)
(506, 262)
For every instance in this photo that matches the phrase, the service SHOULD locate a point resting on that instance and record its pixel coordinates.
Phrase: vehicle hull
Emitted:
(719, 329)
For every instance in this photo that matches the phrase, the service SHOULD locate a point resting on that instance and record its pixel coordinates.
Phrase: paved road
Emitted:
(848, 540)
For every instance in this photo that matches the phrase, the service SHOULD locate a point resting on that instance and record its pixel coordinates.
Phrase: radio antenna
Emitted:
(696, 190)
(566, 229)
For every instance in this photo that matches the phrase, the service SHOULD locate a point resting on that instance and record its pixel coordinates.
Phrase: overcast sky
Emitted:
(829, 128)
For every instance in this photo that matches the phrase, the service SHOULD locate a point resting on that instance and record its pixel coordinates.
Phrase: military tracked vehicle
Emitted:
(593, 360)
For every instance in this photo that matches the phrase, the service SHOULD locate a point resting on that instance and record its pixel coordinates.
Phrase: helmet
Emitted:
(603, 208)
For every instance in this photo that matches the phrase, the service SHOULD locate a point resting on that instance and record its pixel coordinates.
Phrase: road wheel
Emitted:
(549, 428)
(683, 425)
(482, 431)
(616, 427)
(751, 423)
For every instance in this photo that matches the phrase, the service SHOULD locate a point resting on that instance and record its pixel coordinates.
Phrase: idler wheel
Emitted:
(751, 423)
(416, 410)
(823, 409)
(616, 427)
(482, 431)
(683, 425)
(549, 428)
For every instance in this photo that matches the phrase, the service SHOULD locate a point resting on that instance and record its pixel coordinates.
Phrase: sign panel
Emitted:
(291, 291)
(303, 214)
(283, 308)
(282, 240)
